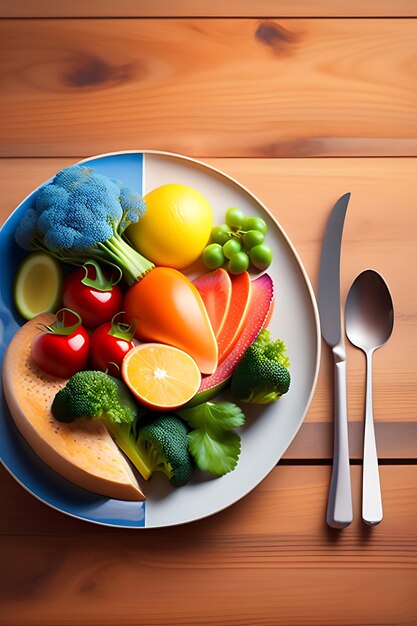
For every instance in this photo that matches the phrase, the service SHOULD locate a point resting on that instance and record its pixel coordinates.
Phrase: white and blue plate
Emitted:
(269, 429)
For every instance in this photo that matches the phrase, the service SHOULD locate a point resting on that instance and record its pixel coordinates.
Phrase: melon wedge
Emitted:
(215, 289)
(259, 314)
(83, 451)
(238, 310)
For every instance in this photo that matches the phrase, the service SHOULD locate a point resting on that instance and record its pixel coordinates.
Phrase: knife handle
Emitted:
(339, 509)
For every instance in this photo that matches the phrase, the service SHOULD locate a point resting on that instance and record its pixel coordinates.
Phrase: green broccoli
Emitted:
(82, 215)
(163, 444)
(100, 396)
(262, 375)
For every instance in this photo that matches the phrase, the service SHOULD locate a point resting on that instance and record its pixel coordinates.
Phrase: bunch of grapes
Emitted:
(238, 242)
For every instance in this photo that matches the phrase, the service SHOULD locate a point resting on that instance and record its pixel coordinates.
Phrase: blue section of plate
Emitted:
(15, 454)
(126, 166)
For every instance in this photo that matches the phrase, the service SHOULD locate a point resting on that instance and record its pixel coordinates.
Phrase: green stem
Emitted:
(122, 436)
(154, 459)
(115, 251)
(129, 271)
(120, 329)
(99, 282)
(133, 265)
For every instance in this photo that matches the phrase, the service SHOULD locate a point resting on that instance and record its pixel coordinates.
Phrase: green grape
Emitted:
(235, 218)
(220, 234)
(238, 263)
(255, 223)
(213, 256)
(231, 247)
(253, 238)
(261, 256)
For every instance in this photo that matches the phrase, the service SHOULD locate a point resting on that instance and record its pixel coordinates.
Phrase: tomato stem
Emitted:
(120, 329)
(62, 325)
(99, 281)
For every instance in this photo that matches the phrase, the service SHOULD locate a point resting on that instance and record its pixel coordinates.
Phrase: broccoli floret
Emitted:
(163, 444)
(27, 229)
(132, 204)
(262, 375)
(82, 215)
(97, 395)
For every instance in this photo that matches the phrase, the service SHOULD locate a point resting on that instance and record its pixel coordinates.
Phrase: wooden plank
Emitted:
(270, 559)
(215, 8)
(280, 498)
(395, 440)
(225, 87)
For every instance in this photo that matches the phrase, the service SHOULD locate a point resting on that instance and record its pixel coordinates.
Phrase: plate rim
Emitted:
(316, 325)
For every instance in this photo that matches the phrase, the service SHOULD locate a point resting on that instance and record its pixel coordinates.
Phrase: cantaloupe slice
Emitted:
(238, 310)
(215, 288)
(83, 451)
(260, 310)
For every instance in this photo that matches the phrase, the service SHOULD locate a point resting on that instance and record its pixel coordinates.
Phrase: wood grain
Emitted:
(381, 217)
(267, 560)
(214, 8)
(224, 87)
(262, 87)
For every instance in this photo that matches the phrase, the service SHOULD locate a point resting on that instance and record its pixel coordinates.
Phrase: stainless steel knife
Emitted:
(339, 509)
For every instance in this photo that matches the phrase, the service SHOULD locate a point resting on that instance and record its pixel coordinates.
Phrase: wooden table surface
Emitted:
(301, 101)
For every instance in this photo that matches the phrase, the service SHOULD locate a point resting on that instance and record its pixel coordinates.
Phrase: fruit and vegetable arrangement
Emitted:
(121, 350)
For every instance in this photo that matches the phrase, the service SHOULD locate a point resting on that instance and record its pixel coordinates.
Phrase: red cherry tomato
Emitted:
(109, 344)
(62, 349)
(91, 295)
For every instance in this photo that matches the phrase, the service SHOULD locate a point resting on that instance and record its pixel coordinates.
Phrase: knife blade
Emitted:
(339, 508)
(329, 278)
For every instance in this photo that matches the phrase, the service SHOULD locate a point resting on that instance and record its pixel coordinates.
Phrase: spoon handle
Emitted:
(339, 508)
(371, 489)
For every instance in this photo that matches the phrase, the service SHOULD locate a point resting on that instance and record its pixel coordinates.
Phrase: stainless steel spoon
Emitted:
(369, 318)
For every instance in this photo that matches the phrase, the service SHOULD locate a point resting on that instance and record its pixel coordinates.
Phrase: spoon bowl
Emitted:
(369, 312)
(369, 319)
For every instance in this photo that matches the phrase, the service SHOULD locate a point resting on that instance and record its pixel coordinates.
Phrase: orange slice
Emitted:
(161, 377)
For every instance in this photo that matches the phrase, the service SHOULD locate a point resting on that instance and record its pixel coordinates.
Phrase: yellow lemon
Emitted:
(175, 227)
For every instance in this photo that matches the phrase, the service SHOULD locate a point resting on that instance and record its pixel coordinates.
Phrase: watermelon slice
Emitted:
(238, 310)
(215, 289)
(260, 306)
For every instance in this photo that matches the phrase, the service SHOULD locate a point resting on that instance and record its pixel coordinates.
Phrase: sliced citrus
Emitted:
(161, 377)
(38, 285)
